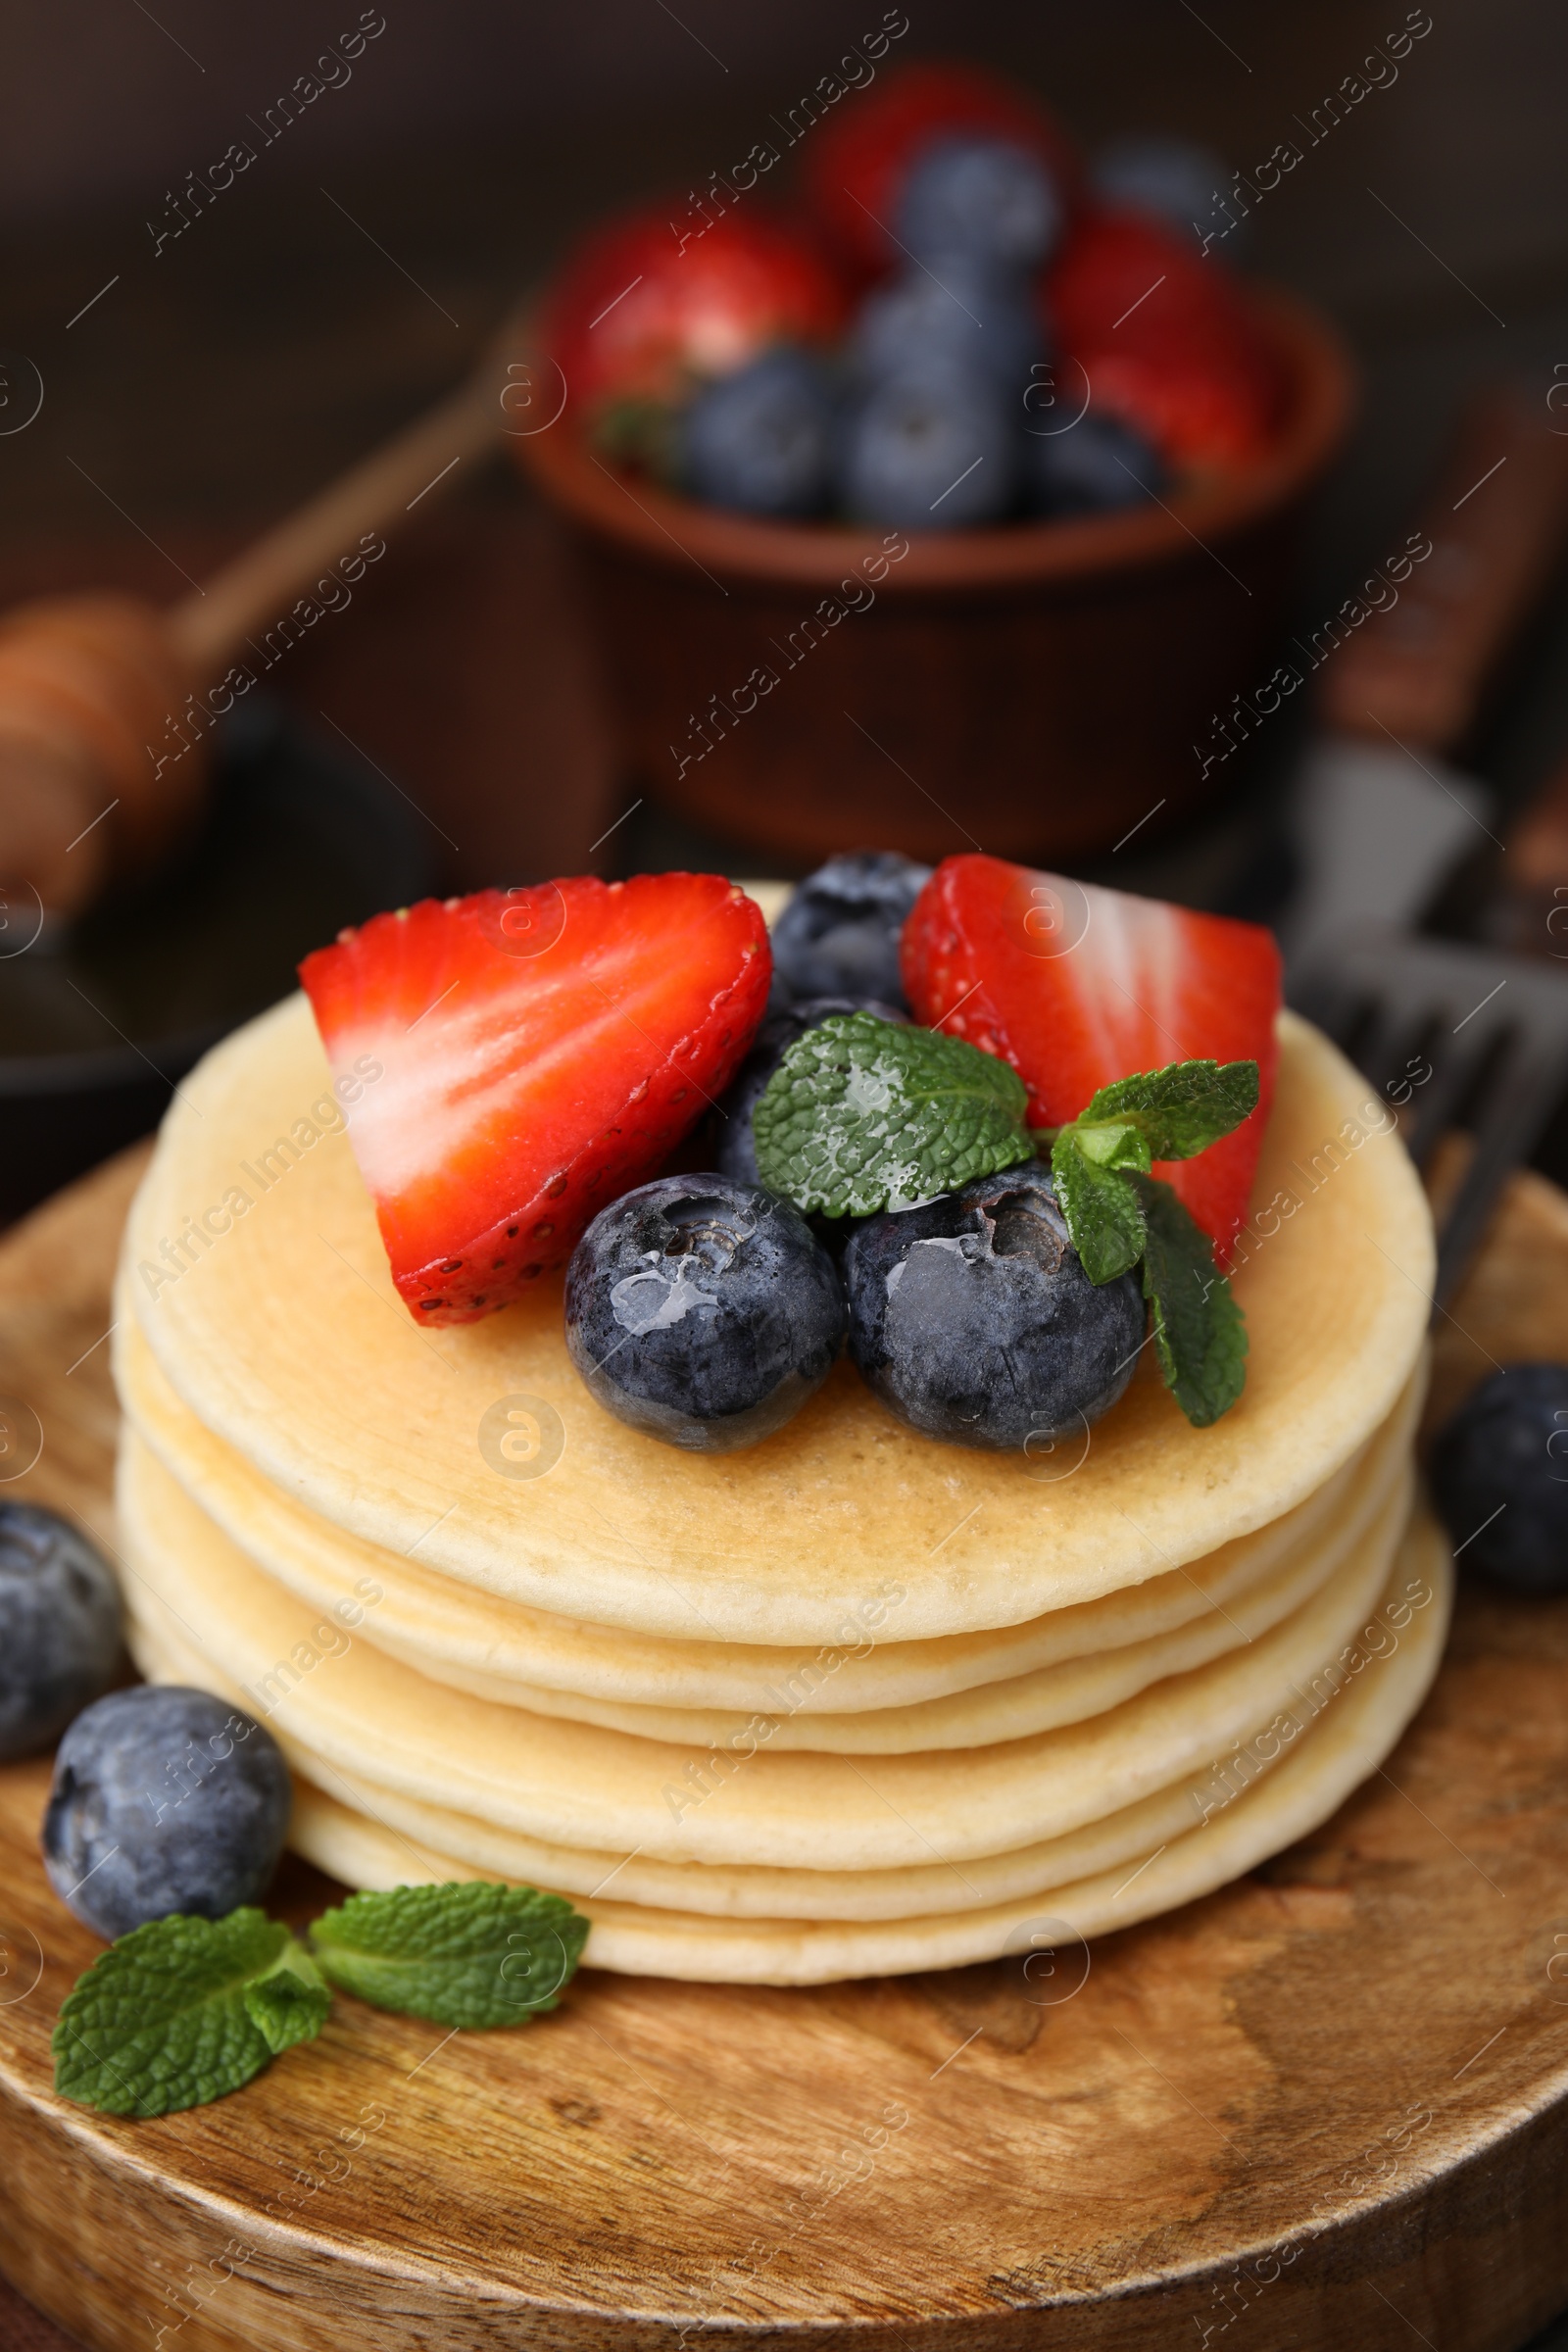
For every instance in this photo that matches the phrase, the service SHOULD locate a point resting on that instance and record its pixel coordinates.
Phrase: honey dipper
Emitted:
(97, 774)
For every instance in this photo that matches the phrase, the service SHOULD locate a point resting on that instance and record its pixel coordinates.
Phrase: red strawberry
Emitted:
(642, 308)
(540, 1052)
(1076, 985)
(1165, 338)
(858, 162)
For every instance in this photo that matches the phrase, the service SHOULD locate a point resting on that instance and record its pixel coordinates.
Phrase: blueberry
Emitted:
(1174, 181)
(973, 1319)
(1499, 1478)
(985, 197)
(932, 448)
(164, 1800)
(702, 1311)
(839, 934)
(59, 1626)
(961, 313)
(1095, 466)
(736, 1152)
(762, 440)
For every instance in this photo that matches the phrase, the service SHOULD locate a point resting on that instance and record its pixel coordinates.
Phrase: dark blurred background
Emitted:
(213, 386)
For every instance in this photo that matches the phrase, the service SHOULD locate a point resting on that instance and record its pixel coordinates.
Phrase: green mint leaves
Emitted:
(186, 2010)
(862, 1115)
(462, 1955)
(183, 2011)
(290, 2002)
(1199, 1336)
(1173, 1114)
(1117, 1213)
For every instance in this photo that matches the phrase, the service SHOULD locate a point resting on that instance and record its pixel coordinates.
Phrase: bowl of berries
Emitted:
(974, 473)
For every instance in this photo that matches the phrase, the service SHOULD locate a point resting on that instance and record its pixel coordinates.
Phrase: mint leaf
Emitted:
(1105, 1219)
(1199, 1336)
(472, 1953)
(162, 2019)
(864, 1114)
(1178, 1111)
(289, 2004)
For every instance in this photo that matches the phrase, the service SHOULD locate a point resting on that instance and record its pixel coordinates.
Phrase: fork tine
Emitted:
(1507, 1053)
(1517, 1104)
(1391, 1043)
(1455, 1068)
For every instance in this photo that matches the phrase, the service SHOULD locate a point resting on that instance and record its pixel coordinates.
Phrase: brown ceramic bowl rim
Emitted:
(676, 532)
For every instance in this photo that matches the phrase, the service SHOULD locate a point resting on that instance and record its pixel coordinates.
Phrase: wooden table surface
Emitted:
(1330, 2101)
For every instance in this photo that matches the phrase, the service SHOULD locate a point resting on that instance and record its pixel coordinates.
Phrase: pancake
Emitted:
(388, 1433)
(719, 1889)
(499, 1649)
(1003, 1709)
(1348, 1739)
(576, 1784)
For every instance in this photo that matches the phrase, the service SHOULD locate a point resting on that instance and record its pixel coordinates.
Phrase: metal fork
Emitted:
(1493, 1029)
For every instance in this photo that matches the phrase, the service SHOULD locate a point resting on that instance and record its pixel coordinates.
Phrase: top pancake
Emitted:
(285, 1336)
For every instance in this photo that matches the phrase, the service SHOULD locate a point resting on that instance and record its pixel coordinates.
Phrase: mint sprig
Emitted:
(183, 2010)
(863, 1115)
(1173, 1114)
(466, 1954)
(1117, 1214)
(1198, 1331)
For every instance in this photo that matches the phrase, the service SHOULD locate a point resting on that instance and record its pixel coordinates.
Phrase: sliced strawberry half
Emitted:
(537, 1052)
(1075, 985)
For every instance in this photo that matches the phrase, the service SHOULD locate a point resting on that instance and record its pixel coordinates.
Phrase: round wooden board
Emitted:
(1324, 2106)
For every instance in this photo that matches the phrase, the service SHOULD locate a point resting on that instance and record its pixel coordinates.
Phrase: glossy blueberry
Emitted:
(164, 1799)
(1174, 181)
(962, 314)
(931, 447)
(1499, 1478)
(1097, 466)
(736, 1154)
(702, 1311)
(839, 934)
(982, 197)
(59, 1626)
(762, 440)
(973, 1320)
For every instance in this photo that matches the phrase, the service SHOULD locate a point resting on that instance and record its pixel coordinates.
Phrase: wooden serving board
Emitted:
(1325, 2106)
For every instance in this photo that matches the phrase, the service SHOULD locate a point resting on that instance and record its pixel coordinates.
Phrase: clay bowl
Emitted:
(1035, 688)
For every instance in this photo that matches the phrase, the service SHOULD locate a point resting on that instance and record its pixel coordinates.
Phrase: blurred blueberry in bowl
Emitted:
(1094, 468)
(932, 448)
(985, 197)
(1175, 180)
(961, 311)
(839, 934)
(762, 440)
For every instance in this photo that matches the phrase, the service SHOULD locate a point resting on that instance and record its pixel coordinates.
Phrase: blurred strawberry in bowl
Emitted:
(642, 314)
(1165, 336)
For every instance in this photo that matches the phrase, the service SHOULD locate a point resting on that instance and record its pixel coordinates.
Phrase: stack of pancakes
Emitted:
(848, 1702)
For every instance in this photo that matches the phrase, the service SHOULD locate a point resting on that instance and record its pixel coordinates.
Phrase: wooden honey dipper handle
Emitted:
(96, 776)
